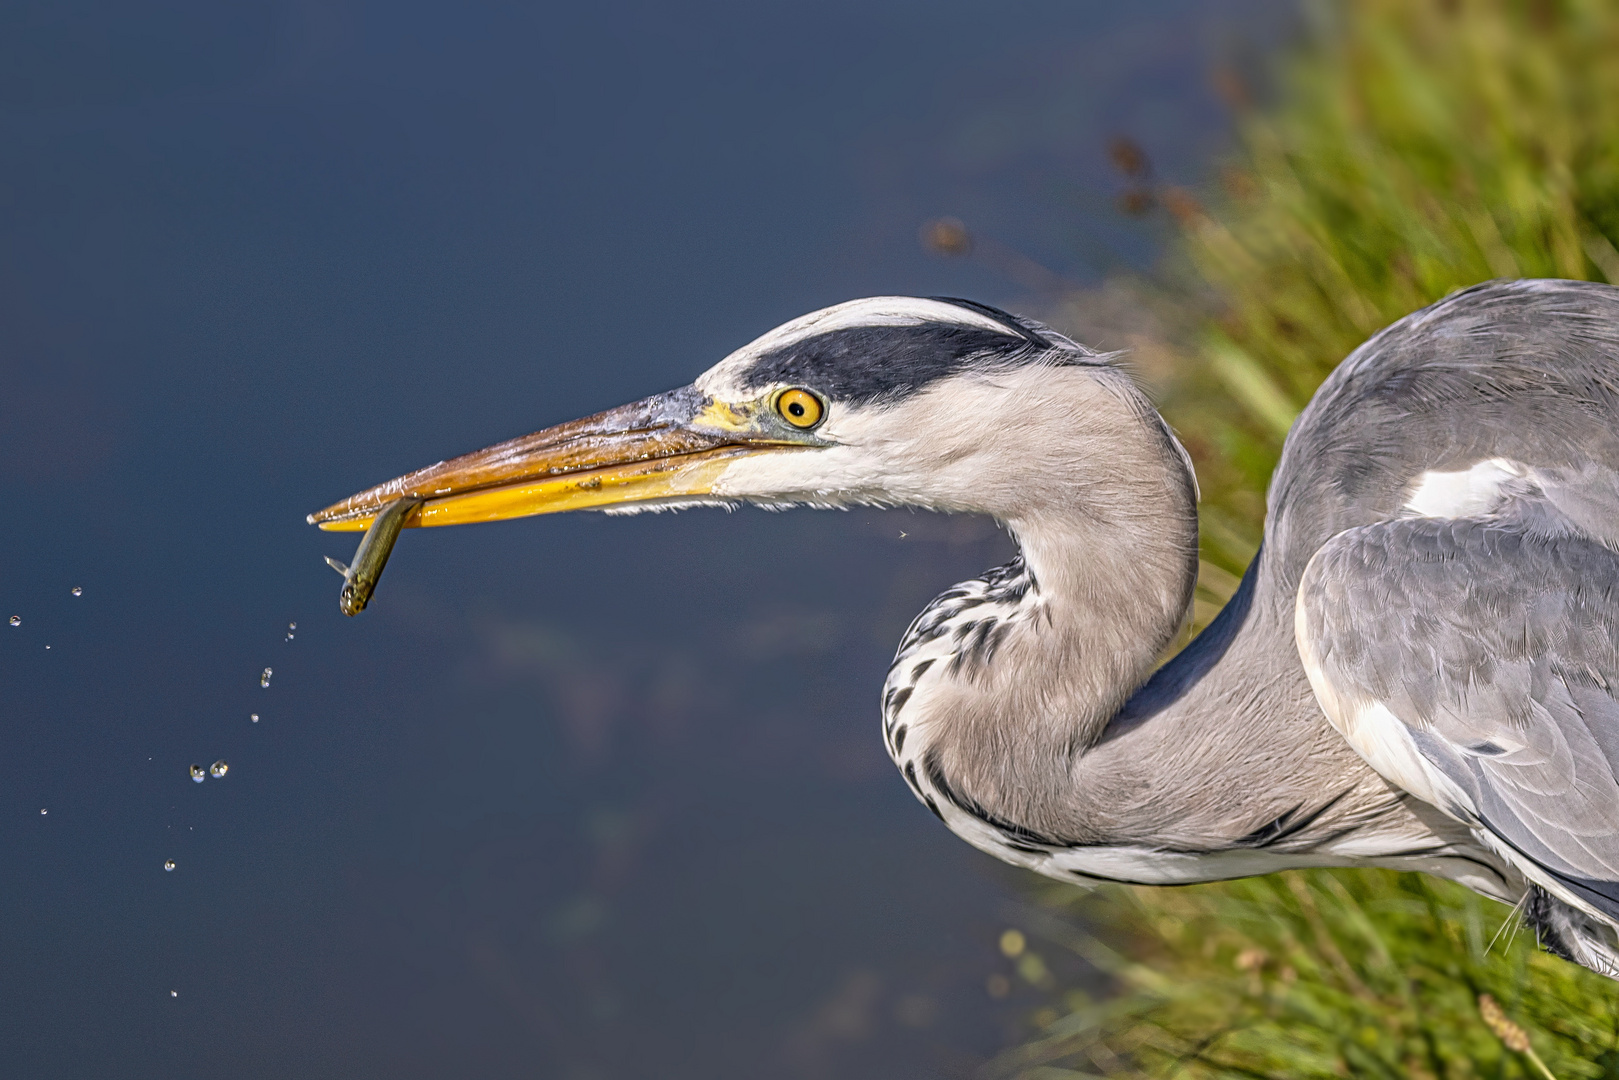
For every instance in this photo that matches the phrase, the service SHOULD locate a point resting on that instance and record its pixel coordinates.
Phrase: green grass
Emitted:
(1418, 147)
(1413, 147)
(1316, 973)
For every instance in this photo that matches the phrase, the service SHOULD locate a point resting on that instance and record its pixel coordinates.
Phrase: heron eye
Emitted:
(800, 408)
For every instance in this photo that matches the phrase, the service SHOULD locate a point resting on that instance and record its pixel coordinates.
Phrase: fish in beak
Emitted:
(667, 449)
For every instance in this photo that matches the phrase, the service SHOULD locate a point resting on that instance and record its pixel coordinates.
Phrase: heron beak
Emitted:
(670, 447)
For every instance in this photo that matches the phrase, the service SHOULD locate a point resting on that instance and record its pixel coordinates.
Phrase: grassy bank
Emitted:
(1410, 148)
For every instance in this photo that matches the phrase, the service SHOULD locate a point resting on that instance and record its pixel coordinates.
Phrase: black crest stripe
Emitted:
(863, 364)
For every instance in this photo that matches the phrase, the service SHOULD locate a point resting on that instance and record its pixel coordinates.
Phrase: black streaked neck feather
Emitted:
(1003, 682)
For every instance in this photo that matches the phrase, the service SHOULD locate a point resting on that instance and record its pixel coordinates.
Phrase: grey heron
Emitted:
(1420, 669)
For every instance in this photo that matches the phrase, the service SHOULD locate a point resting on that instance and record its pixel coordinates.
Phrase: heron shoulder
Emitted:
(1521, 372)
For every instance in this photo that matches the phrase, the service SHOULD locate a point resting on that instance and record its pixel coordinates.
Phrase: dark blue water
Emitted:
(577, 797)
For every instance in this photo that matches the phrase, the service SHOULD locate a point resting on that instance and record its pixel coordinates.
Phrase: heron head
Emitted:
(942, 404)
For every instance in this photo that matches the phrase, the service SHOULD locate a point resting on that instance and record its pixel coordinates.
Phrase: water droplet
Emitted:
(264, 680)
(168, 864)
(255, 718)
(78, 590)
(219, 768)
(198, 774)
(16, 620)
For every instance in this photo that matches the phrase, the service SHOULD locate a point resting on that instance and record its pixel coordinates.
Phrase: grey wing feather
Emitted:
(1495, 643)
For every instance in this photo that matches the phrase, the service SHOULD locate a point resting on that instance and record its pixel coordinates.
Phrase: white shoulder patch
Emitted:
(1465, 493)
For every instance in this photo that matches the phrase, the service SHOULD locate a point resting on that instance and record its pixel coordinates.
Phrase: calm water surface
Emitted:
(576, 797)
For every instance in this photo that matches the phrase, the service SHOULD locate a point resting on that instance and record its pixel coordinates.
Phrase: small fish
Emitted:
(360, 577)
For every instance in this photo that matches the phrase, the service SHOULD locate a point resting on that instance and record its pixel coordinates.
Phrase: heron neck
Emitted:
(1102, 595)
(1115, 596)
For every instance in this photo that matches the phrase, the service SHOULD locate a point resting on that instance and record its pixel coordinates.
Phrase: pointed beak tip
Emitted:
(648, 450)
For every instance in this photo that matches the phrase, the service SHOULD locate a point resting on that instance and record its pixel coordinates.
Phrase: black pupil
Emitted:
(796, 408)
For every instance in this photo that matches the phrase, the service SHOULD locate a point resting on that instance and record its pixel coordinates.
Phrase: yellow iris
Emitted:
(800, 408)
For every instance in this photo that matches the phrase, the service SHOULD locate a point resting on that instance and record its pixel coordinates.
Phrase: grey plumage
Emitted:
(1493, 635)
(1418, 671)
(1490, 636)
(1495, 645)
